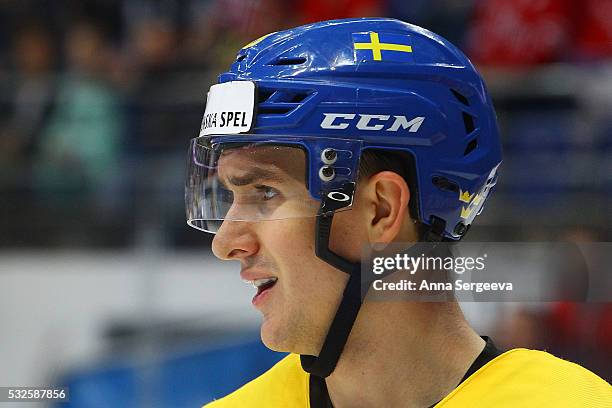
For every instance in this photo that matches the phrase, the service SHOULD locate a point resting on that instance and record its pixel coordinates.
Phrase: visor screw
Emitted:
(327, 173)
(329, 156)
(460, 229)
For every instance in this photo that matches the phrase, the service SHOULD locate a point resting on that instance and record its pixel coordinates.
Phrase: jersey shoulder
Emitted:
(283, 385)
(530, 378)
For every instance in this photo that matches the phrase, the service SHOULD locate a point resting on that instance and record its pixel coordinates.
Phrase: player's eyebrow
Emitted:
(256, 174)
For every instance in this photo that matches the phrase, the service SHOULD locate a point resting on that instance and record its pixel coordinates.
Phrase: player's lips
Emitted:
(250, 275)
(262, 282)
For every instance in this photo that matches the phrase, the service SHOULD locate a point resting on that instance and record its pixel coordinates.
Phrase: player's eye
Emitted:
(267, 193)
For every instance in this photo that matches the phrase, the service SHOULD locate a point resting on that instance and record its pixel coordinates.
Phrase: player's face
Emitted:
(298, 294)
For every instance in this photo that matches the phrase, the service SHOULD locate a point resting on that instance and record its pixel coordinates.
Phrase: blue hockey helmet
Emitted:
(336, 89)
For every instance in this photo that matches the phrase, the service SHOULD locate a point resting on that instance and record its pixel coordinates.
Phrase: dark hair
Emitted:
(374, 161)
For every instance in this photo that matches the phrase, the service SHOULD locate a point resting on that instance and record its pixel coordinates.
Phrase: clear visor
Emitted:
(249, 182)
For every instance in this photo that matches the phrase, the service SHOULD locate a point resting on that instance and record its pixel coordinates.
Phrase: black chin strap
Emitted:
(325, 363)
(342, 324)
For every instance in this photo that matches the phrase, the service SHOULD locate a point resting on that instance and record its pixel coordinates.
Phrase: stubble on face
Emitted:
(308, 293)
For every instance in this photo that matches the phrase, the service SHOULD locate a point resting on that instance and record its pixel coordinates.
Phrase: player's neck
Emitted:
(403, 355)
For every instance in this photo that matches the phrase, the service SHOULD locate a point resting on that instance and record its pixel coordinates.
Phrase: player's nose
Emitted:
(234, 240)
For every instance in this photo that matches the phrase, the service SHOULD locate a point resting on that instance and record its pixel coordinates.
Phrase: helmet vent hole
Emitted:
(298, 97)
(289, 61)
(473, 144)
(240, 57)
(468, 122)
(264, 94)
(445, 184)
(289, 96)
(280, 101)
(461, 98)
(274, 110)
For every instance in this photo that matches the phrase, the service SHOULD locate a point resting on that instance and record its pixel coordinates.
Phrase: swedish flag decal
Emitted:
(373, 46)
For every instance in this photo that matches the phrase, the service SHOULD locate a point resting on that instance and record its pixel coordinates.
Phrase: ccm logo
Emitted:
(341, 121)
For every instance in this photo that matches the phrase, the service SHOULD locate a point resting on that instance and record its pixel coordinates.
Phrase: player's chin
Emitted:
(274, 335)
(270, 336)
(281, 338)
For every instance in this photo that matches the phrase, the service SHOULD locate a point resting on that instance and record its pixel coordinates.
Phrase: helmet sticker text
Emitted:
(341, 121)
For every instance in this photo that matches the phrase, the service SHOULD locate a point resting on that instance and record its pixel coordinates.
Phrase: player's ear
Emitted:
(386, 196)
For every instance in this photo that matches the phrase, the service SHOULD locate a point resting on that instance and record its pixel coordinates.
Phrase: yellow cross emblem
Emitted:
(376, 46)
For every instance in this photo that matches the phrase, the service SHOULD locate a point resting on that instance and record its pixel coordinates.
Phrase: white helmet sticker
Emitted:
(229, 108)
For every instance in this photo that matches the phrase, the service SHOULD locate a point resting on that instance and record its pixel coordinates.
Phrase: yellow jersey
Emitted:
(516, 378)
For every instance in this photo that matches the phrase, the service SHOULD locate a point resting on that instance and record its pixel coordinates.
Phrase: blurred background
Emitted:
(105, 289)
